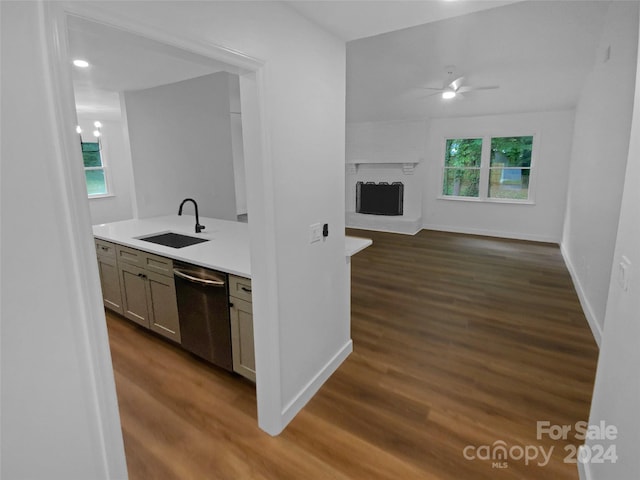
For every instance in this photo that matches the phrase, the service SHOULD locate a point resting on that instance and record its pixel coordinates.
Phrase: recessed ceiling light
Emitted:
(81, 63)
(448, 94)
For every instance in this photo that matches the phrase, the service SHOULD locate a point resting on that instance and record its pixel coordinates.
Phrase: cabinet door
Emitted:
(244, 361)
(133, 286)
(163, 306)
(110, 283)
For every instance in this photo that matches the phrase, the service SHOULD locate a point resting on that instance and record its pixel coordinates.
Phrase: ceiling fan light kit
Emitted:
(453, 87)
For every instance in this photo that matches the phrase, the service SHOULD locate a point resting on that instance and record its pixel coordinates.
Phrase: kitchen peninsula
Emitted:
(137, 278)
(227, 248)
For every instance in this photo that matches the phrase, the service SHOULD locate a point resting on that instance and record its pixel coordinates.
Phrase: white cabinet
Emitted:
(109, 277)
(141, 287)
(242, 343)
(148, 291)
(134, 294)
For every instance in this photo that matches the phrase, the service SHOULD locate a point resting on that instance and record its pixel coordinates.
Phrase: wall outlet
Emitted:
(315, 232)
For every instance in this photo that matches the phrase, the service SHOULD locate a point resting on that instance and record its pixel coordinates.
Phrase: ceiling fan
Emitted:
(454, 86)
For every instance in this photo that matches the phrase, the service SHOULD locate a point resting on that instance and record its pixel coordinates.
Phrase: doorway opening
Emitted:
(248, 72)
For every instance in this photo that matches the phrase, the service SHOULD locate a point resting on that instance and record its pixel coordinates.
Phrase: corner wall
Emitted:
(617, 388)
(598, 159)
(59, 409)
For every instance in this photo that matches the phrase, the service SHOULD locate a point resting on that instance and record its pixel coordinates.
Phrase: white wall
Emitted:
(384, 146)
(379, 142)
(598, 159)
(617, 389)
(115, 157)
(180, 138)
(541, 221)
(59, 409)
(239, 175)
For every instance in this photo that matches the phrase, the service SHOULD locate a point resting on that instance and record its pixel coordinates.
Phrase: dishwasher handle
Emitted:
(212, 281)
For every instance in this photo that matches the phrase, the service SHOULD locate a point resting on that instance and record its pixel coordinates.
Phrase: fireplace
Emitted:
(379, 198)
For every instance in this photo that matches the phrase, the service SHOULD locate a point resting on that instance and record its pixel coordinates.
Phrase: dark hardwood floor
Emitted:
(458, 341)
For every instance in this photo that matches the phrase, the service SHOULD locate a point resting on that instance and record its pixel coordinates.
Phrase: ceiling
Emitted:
(354, 19)
(122, 61)
(539, 53)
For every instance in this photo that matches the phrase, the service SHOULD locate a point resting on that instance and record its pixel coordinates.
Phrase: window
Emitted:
(488, 168)
(94, 170)
(462, 161)
(510, 167)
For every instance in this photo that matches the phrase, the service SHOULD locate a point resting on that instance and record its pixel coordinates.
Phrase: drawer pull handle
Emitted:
(245, 289)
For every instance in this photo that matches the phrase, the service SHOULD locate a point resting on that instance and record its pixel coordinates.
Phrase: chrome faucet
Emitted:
(199, 227)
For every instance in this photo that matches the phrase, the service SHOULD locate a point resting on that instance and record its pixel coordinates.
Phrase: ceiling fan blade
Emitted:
(430, 95)
(432, 88)
(456, 84)
(471, 89)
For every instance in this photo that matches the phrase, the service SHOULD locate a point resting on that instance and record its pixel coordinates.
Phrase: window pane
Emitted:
(96, 184)
(511, 151)
(512, 183)
(463, 152)
(91, 154)
(461, 182)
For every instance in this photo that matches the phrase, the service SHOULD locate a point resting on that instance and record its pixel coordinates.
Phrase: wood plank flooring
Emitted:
(458, 341)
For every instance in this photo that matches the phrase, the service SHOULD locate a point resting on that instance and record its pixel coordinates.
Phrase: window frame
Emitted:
(478, 168)
(485, 168)
(104, 168)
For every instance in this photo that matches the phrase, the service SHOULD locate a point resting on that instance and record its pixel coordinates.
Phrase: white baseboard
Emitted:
(491, 233)
(596, 330)
(310, 389)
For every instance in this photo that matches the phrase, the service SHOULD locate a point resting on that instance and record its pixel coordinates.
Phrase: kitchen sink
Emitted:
(173, 240)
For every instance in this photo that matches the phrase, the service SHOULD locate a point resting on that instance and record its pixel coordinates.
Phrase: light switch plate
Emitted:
(624, 272)
(315, 233)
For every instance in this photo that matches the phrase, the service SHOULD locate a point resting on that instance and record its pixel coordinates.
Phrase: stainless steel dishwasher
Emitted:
(203, 309)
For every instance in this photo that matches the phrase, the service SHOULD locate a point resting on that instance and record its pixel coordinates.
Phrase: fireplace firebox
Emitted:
(379, 198)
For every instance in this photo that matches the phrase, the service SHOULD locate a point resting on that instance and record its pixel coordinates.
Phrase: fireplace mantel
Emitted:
(407, 167)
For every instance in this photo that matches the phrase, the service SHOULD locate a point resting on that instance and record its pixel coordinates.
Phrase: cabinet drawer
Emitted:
(240, 287)
(130, 256)
(158, 264)
(105, 249)
(148, 261)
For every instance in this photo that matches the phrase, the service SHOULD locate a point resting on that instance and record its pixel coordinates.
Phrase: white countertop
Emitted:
(353, 245)
(228, 249)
